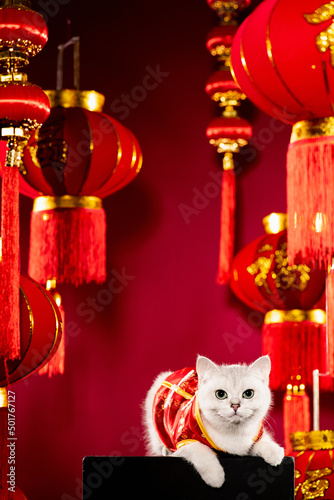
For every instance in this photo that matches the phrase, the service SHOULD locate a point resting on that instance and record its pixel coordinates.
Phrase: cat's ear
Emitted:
(204, 366)
(261, 367)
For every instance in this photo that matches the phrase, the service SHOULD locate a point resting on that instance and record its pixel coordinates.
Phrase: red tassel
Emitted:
(57, 363)
(330, 320)
(310, 200)
(297, 348)
(68, 245)
(10, 265)
(296, 412)
(227, 222)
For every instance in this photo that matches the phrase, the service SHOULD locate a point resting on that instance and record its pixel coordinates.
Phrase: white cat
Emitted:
(190, 413)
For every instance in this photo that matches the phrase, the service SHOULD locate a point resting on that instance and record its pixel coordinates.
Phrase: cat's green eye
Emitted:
(220, 394)
(248, 394)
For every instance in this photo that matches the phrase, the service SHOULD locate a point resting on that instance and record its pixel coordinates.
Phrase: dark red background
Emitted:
(171, 309)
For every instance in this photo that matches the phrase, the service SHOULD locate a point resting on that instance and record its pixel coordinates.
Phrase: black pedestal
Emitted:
(162, 478)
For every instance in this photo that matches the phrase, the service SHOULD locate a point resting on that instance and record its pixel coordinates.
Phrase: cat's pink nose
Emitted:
(235, 407)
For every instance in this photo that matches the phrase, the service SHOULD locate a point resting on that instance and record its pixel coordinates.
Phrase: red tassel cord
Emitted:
(69, 245)
(296, 348)
(310, 200)
(10, 265)
(330, 320)
(296, 412)
(227, 223)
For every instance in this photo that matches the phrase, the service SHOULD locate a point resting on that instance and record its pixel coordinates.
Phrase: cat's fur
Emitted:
(232, 430)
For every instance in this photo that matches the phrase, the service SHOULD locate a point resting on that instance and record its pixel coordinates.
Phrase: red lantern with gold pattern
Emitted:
(314, 464)
(294, 333)
(292, 79)
(263, 279)
(79, 156)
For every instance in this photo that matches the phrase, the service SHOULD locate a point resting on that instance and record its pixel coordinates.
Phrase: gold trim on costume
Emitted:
(308, 129)
(186, 441)
(203, 429)
(313, 440)
(3, 397)
(177, 389)
(71, 98)
(51, 202)
(295, 315)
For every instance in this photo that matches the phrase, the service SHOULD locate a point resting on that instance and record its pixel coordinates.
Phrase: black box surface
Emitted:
(160, 478)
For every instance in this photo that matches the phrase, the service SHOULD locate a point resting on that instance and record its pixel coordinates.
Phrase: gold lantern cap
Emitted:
(72, 98)
(313, 440)
(275, 223)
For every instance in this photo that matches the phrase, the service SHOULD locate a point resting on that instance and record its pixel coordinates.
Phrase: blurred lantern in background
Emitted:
(40, 335)
(292, 79)
(314, 464)
(57, 362)
(294, 329)
(228, 133)
(23, 107)
(79, 156)
(290, 297)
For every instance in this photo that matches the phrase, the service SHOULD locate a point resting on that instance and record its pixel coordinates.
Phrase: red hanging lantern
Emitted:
(63, 162)
(40, 332)
(229, 132)
(219, 41)
(294, 331)
(313, 452)
(228, 135)
(23, 107)
(40, 336)
(227, 9)
(292, 79)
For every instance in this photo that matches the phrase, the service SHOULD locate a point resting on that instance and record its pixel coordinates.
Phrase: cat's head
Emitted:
(233, 394)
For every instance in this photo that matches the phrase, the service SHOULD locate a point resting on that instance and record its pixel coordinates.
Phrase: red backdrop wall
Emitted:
(160, 305)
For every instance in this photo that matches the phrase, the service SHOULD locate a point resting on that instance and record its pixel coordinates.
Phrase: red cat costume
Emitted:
(176, 413)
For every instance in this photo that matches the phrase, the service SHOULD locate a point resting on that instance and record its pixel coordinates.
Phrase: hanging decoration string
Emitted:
(229, 132)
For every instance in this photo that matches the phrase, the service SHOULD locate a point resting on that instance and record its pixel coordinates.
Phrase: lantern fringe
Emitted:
(57, 363)
(227, 225)
(296, 415)
(310, 201)
(296, 348)
(330, 320)
(69, 245)
(10, 265)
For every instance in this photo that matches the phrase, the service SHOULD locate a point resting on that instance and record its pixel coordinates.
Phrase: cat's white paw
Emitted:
(213, 476)
(272, 453)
